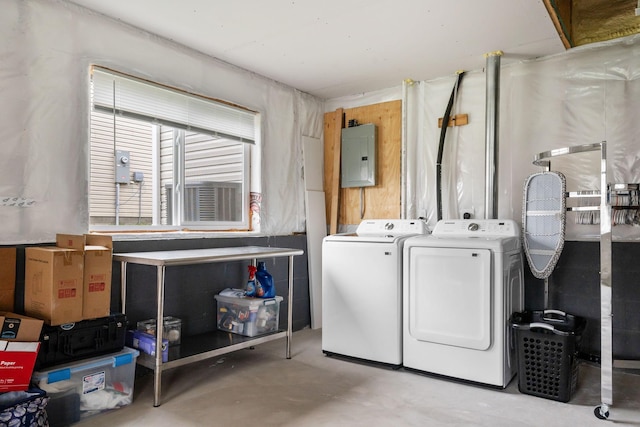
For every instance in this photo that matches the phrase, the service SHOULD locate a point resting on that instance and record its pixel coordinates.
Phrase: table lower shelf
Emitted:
(207, 345)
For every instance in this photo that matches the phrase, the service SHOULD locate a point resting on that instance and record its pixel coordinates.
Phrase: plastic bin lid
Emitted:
(248, 300)
(64, 372)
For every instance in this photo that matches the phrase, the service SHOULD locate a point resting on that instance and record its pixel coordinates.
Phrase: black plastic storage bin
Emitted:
(81, 340)
(547, 346)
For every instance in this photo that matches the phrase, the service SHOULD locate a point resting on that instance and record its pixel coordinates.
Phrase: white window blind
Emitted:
(135, 98)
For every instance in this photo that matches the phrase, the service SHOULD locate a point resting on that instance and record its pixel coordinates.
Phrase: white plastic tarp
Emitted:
(46, 50)
(583, 96)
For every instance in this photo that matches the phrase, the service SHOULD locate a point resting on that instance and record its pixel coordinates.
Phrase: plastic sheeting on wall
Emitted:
(46, 48)
(463, 152)
(583, 96)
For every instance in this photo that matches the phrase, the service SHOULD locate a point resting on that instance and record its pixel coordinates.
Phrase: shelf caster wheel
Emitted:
(601, 412)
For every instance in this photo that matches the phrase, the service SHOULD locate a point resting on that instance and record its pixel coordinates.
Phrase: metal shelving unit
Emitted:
(623, 198)
(604, 208)
(215, 343)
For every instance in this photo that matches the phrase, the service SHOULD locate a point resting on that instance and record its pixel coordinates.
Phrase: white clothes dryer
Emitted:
(362, 290)
(460, 286)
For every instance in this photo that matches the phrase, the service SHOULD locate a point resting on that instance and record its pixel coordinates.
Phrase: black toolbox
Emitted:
(75, 341)
(547, 352)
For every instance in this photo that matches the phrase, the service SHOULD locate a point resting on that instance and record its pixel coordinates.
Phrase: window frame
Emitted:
(179, 166)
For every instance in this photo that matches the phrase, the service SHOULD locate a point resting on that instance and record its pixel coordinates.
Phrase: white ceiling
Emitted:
(334, 48)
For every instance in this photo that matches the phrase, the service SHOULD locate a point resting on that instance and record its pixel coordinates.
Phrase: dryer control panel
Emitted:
(477, 227)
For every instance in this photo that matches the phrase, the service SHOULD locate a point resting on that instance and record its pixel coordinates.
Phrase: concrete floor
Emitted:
(260, 387)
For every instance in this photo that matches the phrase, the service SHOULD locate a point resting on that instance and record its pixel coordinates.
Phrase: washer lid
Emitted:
(355, 238)
(383, 231)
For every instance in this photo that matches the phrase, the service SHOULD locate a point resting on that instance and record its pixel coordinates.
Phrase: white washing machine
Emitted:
(461, 284)
(362, 290)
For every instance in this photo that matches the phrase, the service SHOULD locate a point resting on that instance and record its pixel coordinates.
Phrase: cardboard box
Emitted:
(7, 278)
(53, 284)
(17, 360)
(98, 250)
(16, 327)
(98, 263)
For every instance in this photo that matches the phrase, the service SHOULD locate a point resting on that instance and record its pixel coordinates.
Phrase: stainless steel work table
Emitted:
(210, 344)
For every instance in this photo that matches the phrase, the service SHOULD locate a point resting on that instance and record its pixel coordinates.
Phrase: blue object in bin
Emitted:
(266, 280)
(146, 343)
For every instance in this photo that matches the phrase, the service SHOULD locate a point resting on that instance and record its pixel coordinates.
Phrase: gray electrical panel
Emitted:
(358, 156)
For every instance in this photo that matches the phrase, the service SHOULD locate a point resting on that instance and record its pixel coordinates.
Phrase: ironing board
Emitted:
(543, 222)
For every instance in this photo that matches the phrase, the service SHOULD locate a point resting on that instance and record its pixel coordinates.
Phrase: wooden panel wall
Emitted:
(382, 200)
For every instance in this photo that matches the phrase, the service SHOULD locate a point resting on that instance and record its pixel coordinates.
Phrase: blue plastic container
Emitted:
(266, 281)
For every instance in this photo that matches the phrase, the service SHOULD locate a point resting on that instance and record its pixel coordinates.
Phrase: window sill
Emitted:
(122, 236)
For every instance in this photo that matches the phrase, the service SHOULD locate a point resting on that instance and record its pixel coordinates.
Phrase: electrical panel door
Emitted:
(359, 156)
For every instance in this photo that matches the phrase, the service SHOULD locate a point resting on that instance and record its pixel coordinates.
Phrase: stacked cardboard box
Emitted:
(71, 281)
(19, 346)
(96, 292)
(53, 284)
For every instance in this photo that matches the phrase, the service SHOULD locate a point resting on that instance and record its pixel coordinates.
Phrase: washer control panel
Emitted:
(391, 227)
(477, 228)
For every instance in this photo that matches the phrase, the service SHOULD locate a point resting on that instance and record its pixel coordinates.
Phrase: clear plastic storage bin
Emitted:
(88, 387)
(172, 328)
(248, 316)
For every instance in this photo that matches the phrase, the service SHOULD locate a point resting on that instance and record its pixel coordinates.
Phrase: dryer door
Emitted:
(449, 298)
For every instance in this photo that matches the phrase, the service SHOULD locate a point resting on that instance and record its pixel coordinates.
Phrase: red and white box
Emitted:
(17, 360)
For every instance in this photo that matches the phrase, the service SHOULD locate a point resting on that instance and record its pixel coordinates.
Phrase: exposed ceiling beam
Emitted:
(581, 22)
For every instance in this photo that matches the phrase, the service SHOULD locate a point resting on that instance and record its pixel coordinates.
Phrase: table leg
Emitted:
(123, 286)
(157, 371)
(290, 308)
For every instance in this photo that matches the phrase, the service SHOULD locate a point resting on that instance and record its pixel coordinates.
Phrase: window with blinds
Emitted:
(163, 158)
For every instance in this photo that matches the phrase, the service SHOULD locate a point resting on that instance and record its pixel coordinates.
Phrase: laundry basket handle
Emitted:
(541, 325)
(548, 315)
(558, 312)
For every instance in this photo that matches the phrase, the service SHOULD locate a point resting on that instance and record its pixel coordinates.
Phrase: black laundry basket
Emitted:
(547, 345)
